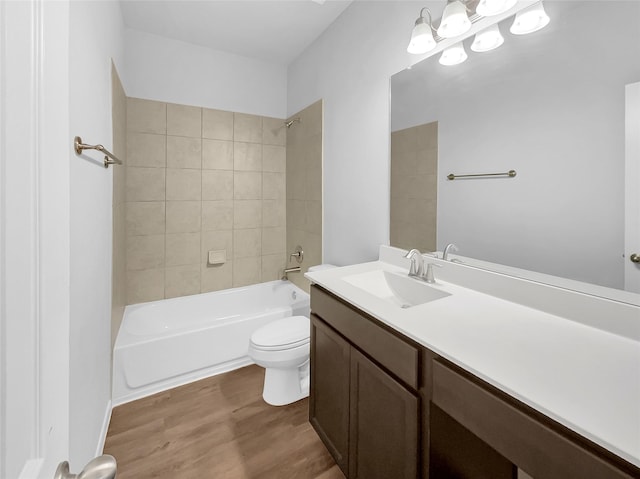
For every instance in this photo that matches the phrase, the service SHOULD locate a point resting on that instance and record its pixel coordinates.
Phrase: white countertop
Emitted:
(585, 378)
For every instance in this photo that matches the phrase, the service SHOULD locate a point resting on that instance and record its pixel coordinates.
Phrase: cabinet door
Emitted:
(329, 390)
(384, 424)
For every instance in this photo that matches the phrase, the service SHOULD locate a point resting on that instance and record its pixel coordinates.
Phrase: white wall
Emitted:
(163, 69)
(96, 35)
(349, 68)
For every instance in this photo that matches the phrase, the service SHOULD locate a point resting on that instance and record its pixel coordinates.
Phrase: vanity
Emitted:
(464, 383)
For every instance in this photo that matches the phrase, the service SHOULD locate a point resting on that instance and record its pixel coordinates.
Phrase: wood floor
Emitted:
(217, 428)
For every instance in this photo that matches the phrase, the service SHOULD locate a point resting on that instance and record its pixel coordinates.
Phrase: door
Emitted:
(34, 238)
(632, 188)
(383, 441)
(329, 394)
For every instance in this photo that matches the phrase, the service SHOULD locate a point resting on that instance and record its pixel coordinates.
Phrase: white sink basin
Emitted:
(398, 289)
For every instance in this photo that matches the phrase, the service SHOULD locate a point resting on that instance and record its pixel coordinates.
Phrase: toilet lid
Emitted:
(283, 333)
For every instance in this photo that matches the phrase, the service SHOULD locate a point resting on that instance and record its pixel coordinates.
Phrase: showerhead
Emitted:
(292, 121)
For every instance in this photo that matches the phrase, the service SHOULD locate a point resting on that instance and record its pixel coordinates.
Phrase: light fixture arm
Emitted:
(421, 18)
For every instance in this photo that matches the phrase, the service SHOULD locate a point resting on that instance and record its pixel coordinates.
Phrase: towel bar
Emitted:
(109, 159)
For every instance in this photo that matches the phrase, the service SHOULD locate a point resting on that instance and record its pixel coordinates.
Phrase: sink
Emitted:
(398, 289)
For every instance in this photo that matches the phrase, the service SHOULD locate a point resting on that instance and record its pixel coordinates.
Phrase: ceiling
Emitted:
(275, 31)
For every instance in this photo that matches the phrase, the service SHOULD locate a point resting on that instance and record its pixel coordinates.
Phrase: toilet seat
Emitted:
(282, 334)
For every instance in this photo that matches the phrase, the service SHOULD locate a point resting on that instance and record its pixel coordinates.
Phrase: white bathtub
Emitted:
(167, 343)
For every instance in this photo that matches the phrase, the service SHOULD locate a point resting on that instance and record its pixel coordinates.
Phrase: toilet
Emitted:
(282, 348)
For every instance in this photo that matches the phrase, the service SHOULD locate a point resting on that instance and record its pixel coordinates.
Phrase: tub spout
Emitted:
(295, 269)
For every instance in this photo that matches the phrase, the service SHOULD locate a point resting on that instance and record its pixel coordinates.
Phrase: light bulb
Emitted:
(453, 55)
(454, 21)
(488, 8)
(530, 20)
(421, 38)
(488, 39)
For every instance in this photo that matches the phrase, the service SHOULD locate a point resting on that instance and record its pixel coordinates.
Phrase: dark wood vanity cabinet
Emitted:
(367, 418)
(329, 390)
(542, 447)
(388, 408)
(383, 429)
(369, 401)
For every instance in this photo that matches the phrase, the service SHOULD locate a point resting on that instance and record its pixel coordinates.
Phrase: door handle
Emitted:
(635, 258)
(102, 467)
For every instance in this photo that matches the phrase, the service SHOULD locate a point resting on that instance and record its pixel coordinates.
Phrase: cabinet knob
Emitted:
(635, 258)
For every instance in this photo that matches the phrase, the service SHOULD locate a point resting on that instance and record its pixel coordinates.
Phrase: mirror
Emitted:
(549, 105)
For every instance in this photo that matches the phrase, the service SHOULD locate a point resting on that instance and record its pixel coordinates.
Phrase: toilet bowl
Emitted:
(282, 348)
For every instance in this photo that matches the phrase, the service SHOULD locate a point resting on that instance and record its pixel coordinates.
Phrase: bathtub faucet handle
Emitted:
(298, 254)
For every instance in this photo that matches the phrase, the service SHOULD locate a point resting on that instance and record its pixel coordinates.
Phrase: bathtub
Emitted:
(167, 343)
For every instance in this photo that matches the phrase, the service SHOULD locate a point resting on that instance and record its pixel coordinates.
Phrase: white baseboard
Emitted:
(104, 430)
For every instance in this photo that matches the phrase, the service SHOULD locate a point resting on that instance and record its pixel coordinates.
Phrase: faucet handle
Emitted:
(417, 265)
(428, 275)
(298, 254)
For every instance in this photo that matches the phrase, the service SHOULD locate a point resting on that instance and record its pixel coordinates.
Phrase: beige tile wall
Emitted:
(199, 180)
(118, 277)
(414, 168)
(304, 189)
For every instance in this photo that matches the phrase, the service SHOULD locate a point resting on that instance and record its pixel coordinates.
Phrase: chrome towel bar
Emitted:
(109, 159)
(510, 174)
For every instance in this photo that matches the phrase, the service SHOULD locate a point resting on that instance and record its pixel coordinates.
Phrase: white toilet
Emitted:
(282, 348)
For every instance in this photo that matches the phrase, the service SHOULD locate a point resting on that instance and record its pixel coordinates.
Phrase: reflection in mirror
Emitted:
(414, 167)
(550, 105)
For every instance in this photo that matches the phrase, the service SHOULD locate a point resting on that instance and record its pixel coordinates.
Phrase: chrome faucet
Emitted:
(417, 263)
(447, 249)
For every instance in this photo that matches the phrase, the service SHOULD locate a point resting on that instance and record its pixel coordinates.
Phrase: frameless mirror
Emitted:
(549, 105)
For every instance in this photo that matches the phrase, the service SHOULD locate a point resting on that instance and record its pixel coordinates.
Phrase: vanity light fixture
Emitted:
(422, 40)
(454, 55)
(530, 20)
(455, 20)
(488, 39)
(488, 8)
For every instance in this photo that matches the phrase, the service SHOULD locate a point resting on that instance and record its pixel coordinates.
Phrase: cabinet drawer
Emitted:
(396, 355)
(529, 440)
